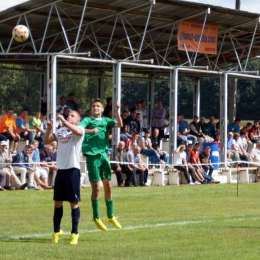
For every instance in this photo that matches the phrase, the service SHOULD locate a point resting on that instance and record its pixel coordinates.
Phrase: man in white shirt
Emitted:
(60, 107)
(254, 155)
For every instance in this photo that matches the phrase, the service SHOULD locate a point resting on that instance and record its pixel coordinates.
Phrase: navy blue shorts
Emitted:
(67, 185)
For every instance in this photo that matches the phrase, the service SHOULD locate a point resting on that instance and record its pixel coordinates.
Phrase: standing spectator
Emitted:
(144, 115)
(180, 164)
(120, 169)
(158, 116)
(125, 120)
(66, 112)
(108, 107)
(62, 104)
(8, 129)
(72, 102)
(22, 165)
(234, 127)
(132, 122)
(23, 126)
(47, 159)
(139, 115)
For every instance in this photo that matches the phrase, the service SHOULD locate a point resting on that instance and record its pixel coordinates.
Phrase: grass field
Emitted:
(171, 222)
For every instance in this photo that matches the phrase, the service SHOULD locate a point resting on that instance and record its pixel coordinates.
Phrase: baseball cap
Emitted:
(4, 143)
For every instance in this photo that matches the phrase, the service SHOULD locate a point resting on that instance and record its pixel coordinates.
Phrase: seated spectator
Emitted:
(2, 180)
(88, 113)
(5, 165)
(125, 108)
(180, 164)
(254, 133)
(66, 112)
(62, 104)
(254, 155)
(132, 122)
(120, 169)
(47, 159)
(206, 163)
(147, 149)
(139, 167)
(195, 129)
(205, 130)
(40, 134)
(35, 124)
(139, 123)
(234, 127)
(211, 126)
(232, 154)
(72, 102)
(125, 120)
(195, 161)
(217, 140)
(125, 133)
(108, 106)
(236, 146)
(8, 129)
(41, 173)
(22, 166)
(23, 126)
(184, 129)
(156, 144)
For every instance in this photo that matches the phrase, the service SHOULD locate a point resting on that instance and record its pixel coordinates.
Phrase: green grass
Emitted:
(171, 222)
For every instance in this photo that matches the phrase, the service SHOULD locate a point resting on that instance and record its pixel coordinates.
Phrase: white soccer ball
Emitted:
(20, 33)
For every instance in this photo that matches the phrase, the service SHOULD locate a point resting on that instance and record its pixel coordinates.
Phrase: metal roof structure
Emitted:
(135, 31)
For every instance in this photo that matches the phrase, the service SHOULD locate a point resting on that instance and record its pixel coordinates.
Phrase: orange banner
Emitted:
(189, 34)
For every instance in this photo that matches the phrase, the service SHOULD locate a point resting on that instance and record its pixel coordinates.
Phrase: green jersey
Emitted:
(96, 143)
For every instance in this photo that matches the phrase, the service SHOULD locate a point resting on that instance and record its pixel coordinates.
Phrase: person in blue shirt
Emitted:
(234, 127)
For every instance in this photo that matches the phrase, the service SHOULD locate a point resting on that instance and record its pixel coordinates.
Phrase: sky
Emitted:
(246, 5)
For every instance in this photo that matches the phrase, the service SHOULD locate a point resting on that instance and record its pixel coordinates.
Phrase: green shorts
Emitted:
(98, 167)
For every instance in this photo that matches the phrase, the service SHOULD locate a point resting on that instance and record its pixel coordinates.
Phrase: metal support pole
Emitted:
(116, 95)
(150, 101)
(101, 86)
(173, 113)
(51, 89)
(223, 117)
(43, 88)
(233, 97)
(196, 99)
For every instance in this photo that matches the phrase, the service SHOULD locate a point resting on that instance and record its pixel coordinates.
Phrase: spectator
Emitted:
(147, 149)
(66, 112)
(234, 127)
(156, 145)
(180, 163)
(207, 165)
(144, 115)
(22, 165)
(254, 133)
(125, 108)
(184, 129)
(5, 165)
(2, 180)
(217, 140)
(139, 115)
(23, 126)
(205, 130)
(232, 153)
(36, 123)
(8, 129)
(62, 104)
(211, 126)
(132, 122)
(195, 129)
(88, 113)
(139, 123)
(41, 131)
(80, 111)
(236, 146)
(125, 119)
(120, 169)
(108, 107)
(44, 105)
(125, 133)
(47, 159)
(138, 165)
(254, 155)
(158, 116)
(72, 102)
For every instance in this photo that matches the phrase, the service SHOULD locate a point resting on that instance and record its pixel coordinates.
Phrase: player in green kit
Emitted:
(95, 147)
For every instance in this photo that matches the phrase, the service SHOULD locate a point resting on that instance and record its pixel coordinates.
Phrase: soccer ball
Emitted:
(20, 33)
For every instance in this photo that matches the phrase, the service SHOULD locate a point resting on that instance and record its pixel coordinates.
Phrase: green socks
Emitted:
(110, 208)
(95, 208)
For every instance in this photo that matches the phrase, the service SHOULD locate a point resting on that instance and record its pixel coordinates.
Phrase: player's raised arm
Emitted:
(49, 137)
(72, 122)
(119, 122)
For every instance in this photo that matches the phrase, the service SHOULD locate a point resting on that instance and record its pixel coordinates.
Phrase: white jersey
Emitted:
(69, 147)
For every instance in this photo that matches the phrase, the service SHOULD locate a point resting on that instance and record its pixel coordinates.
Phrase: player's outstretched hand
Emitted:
(50, 124)
(117, 106)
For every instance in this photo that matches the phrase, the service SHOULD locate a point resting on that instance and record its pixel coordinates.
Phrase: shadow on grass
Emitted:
(40, 240)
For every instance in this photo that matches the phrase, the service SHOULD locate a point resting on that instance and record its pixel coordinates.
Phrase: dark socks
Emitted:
(58, 212)
(75, 215)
